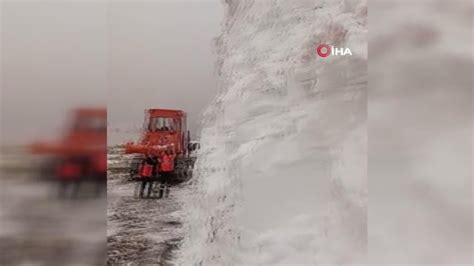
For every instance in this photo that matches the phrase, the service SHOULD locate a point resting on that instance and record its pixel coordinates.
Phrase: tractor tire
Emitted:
(184, 168)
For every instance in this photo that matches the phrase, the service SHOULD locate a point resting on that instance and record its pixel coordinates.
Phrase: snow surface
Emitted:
(281, 174)
(420, 133)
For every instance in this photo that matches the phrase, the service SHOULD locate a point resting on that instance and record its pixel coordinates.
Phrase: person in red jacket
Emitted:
(70, 172)
(99, 172)
(147, 173)
(166, 172)
(167, 162)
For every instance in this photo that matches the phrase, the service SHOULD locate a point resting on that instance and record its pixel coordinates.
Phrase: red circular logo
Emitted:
(323, 47)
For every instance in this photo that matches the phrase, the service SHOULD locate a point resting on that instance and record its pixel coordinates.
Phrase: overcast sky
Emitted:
(161, 56)
(128, 55)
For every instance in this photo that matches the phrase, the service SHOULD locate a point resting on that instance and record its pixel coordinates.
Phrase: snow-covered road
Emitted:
(140, 231)
(38, 228)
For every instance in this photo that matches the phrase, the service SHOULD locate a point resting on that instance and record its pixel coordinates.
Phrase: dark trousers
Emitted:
(165, 180)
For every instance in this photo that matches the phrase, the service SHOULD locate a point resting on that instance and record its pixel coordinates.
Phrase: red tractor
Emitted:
(164, 133)
(80, 155)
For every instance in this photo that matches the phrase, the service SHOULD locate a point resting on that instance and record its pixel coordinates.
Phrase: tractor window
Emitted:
(177, 125)
(91, 124)
(162, 124)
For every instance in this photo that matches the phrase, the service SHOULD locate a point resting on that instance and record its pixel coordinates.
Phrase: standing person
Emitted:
(69, 172)
(166, 172)
(146, 175)
(99, 172)
(155, 163)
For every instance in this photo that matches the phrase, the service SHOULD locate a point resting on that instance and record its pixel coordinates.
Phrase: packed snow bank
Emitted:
(420, 133)
(281, 175)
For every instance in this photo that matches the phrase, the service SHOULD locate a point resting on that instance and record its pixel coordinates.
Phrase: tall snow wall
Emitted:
(281, 175)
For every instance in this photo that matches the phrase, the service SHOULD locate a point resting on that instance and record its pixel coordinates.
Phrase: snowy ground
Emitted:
(38, 228)
(139, 231)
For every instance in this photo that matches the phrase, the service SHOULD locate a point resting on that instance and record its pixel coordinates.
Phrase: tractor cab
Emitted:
(85, 134)
(88, 126)
(164, 132)
(82, 147)
(89, 120)
(165, 128)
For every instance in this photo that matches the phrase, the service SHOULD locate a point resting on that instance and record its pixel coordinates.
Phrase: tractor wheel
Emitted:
(184, 168)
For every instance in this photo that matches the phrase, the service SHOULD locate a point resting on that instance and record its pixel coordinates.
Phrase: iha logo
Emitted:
(324, 50)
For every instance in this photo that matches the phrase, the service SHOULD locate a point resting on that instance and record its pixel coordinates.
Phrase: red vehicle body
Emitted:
(164, 131)
(82, 147)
